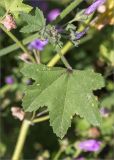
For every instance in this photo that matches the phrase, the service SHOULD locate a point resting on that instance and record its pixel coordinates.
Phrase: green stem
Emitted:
(21, 139)
(13, 47)
(23, 134)
(37, 56)
(58, 155)
(37, 120)
(56, 58)
(65, 49)
(77, 153)
(17, 42)
(66, 11)
(4, 89)
(64, 60)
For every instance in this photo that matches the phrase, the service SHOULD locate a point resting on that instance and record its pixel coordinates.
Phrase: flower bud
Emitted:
(18, 113)
(101, 9)
(9, 22)
(93, 132)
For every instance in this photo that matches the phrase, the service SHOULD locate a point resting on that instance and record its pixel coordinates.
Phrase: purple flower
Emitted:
(53, 14)
(90, 145)
(9, 80)
(104, 112)
(94, 6)
(38, 44)
(81, 34)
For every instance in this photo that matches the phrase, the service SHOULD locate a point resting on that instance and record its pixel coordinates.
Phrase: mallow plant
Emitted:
(52, 93)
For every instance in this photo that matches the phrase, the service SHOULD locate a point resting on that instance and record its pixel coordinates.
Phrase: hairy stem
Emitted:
(14, 47)
(77, 153)
(65, 62)
(37, 56)
(21, 139)
(66, 11)
(57, 156)
(23, 134)
(17, 42)
(41, 119)
(65, 49)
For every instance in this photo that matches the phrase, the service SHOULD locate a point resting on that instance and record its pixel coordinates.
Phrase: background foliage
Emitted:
(96, 53)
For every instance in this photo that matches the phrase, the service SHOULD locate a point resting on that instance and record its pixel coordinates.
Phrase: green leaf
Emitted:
(34, 23)
(65, 93)
(15, 6)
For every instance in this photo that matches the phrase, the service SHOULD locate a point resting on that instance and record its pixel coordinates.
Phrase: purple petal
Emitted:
(9, 80)
(94, 6)
(53, 14)
(90, 145)
(38, 44)
(81, 34)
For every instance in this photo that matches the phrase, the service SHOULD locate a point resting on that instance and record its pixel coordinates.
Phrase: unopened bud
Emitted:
(24, 56)
(18, 113)
(9, 22)
(101, 9)
(93, 132)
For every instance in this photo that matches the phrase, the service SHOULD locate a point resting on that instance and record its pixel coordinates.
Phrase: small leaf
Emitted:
(15, 6)
(65, 93)
(34, 23)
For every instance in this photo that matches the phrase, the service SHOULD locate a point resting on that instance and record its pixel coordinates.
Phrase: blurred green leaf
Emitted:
(108, 101)
(107, 128)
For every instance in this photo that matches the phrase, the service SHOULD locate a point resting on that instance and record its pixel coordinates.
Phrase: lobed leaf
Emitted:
(65, 93)
(15, 6)
(34, 23)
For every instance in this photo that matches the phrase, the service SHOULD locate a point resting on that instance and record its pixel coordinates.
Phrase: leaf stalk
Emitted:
(17, 42)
